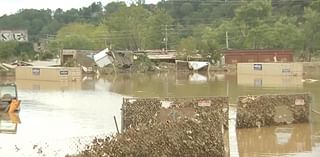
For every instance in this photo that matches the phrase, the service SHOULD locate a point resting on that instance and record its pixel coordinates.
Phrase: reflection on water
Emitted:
(9, 123)
(272, 141)
(60, 114)
(35, 85)
(198, 78)
(285, 139)
(270, 81)
(61, 117)
(167, 84)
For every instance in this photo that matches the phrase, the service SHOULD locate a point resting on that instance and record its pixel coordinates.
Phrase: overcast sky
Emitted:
(12, 6)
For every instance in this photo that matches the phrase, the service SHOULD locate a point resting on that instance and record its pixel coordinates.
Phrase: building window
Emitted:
(64, 72)
(257, 83)
(286, 71)
(257, 66)
(35, 71)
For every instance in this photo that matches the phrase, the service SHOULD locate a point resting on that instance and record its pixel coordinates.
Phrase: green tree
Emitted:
(311, 31)
(54, 48)
(114, 7)
(7, 50)
(212, 42)
(77, 36)
(251, 20)
(24, 51)
(51, 28)
(66, 17)
(187, 48)
(91, 14)
(127, 28)
(29, 19)
(157, 30)
(315, 5)
(289, 7)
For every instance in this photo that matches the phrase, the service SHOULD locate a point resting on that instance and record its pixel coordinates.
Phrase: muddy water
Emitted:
(60, 117)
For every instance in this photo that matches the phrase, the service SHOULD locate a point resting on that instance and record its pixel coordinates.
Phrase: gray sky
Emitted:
(12, 6)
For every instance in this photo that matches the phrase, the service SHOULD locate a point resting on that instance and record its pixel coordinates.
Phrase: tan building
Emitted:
(48, 73)
(270, 69)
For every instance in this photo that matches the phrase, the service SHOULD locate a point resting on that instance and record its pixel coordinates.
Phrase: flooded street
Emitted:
(57, 118)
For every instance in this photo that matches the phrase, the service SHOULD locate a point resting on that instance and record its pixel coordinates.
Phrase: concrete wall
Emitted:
(272, 69)
(48, 73)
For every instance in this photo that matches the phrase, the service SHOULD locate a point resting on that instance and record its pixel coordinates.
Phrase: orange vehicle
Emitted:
(9, 101)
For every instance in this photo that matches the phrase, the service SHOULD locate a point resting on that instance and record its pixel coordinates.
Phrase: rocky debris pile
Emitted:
(164, 127)
(138, 112)
(268, 110)
(145, 111)
(199, 136)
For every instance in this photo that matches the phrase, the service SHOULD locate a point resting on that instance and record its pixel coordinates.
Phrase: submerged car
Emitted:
(9, 101)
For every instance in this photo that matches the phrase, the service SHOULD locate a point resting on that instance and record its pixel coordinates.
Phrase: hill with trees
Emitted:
(189, 26)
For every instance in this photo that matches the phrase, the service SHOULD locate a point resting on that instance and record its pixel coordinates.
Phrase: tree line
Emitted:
(188, 26)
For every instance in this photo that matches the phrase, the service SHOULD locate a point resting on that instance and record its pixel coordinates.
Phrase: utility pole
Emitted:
(227, 40)
(166, 38)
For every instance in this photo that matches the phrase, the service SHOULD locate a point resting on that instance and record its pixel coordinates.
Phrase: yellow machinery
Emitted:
(9, 101)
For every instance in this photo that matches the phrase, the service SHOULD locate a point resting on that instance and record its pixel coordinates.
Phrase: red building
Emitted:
(258, 55)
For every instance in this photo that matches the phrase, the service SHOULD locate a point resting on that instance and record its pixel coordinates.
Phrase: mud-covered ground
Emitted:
(174, 127)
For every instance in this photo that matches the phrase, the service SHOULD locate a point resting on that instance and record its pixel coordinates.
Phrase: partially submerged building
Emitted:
(270, 74)
(78, 58)
(48, 73)
(270, 69)
(258, 55)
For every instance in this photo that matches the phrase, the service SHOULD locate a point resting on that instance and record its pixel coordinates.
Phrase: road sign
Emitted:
(13, 35)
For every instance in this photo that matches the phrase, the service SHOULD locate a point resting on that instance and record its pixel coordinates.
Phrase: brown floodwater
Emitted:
(57, 118)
